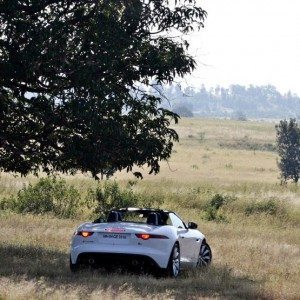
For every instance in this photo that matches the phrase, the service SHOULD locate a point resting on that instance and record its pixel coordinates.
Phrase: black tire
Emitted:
(173, 269)
(205, 255)
(73, 267)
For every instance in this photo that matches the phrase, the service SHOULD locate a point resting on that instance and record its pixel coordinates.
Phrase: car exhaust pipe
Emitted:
(91, 261)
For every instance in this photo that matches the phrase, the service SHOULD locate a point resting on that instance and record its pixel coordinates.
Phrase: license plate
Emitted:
(115, 236)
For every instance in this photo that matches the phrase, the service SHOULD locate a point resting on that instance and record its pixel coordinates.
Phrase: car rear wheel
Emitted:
(205, 255)
(174, 262)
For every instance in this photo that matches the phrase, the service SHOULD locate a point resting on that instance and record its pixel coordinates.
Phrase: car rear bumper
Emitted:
(116, 260)
(124, 254)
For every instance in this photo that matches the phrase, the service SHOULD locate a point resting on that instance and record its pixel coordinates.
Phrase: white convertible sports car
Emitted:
(140, 237)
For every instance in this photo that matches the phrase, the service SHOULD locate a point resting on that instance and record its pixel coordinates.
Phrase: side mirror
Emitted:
(192, 225)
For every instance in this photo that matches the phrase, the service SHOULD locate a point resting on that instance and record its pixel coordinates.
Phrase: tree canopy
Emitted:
(288, 143)
(76, 79)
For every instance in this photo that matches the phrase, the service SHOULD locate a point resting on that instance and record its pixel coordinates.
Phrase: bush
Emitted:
(212, 208)
(269, 207)
(108, 196)
(48, 195)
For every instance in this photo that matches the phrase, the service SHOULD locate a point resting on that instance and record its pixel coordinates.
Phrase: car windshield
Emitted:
(138, 216)
(131, 216)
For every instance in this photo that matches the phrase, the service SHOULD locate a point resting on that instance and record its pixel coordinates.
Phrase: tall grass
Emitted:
(251, 222)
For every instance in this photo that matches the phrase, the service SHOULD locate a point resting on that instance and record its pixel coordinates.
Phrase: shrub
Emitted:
(48, 195)
(269, 207)
(151, 200)
(217, 201)
(212, 208)
(108, 196)
(201, 136)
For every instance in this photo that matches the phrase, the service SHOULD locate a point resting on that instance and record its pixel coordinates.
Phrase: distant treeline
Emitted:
(235, 101)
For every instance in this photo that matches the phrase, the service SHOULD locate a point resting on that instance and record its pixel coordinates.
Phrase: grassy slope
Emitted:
(254, 256)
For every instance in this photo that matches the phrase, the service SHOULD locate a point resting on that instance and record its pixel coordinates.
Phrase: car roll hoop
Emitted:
(114, 216)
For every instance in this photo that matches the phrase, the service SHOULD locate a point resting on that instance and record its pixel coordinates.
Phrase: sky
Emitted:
(248, 42)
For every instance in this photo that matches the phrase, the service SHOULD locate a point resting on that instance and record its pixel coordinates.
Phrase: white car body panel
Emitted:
(190, 241)
(158, 251)
(120, 238)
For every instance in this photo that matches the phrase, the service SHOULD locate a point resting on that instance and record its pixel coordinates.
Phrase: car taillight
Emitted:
(146, 236)
(85, 233)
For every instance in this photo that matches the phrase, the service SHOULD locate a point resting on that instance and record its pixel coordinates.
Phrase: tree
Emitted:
(288, 144)
(75, 77)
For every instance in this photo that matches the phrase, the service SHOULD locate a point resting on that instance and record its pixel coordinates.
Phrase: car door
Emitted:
(185, 238)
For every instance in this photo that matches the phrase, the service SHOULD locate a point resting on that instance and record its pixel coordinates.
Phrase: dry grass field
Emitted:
(255, 235)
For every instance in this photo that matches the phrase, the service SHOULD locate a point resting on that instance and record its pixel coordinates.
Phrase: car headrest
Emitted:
(113, 216)
(152, 219)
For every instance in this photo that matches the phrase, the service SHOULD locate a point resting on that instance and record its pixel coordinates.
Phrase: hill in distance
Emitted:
(253, 102)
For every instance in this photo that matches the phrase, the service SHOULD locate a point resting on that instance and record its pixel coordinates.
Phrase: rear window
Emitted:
(146, 217)
(131, 216)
